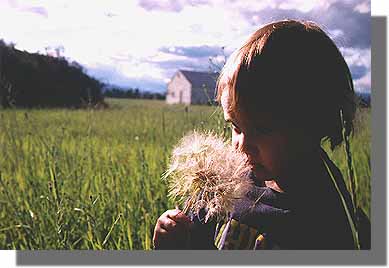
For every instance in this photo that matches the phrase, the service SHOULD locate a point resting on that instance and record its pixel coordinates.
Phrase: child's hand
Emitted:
(172, 230)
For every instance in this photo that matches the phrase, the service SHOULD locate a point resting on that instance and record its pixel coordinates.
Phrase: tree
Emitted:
(34, 80)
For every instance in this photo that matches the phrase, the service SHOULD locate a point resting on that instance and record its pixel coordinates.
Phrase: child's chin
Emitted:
(260, 174)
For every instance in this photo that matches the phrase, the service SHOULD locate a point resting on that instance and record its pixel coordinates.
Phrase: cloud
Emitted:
(169, 5)
(352, 28)
(196, 58)
(358, 71)
(169, 64)
(356, 56)
(359, 62)
(113, 76)
(363, 84)
(185, 63)
(37, 10)
(174, 6)
(14, 5)
(355, 25)
(148, 40)
(193, 51)
(363, 7)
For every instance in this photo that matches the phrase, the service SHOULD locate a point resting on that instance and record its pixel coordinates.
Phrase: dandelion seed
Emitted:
(205, 172)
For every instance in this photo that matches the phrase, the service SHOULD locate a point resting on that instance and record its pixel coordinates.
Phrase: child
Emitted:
(284, 91)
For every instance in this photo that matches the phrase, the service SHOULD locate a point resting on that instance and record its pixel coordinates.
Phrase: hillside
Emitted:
(35, 80)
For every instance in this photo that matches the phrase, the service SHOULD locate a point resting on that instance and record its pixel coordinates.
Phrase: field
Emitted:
(90, 179)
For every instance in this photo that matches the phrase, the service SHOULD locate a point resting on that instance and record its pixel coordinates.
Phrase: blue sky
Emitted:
(142, 43)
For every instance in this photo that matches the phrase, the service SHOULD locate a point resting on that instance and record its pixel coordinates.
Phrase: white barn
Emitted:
(189, 87)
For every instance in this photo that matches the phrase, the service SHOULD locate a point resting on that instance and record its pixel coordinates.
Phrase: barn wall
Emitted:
(178, 84)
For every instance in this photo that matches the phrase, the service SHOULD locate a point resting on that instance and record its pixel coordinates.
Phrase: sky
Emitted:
(142, 43)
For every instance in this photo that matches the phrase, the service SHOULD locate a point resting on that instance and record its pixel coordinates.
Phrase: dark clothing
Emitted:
(310, 216)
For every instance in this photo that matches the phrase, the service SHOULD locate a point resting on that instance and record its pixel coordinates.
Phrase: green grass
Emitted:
(90, 179)
(361, 151)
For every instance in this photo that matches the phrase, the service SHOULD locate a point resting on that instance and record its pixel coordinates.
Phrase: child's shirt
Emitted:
(313, 217)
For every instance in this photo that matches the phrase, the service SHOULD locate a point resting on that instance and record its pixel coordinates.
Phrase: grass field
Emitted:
(90, 179)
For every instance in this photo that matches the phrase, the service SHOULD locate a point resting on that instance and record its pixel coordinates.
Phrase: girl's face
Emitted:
(272, 152)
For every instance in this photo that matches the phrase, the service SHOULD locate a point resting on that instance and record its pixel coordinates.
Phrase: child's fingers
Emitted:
(170, 213)
(160, 235)
(169, 239)
(168, 221)
(167, 224)
(171, 230)
(180, 217)
(159, 232)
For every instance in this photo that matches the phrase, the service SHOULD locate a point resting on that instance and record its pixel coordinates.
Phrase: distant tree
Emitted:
(217, 62)
(136, 93)
(132, 94)
(363, 99)
(35, 80)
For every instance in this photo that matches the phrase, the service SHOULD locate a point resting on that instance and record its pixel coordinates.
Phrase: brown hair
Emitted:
(293, 71)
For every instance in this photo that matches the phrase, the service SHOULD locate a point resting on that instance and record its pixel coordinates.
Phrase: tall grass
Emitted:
(360, 143)
(90, 179)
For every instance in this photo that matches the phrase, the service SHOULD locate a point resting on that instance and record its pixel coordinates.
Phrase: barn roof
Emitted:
(201, 79)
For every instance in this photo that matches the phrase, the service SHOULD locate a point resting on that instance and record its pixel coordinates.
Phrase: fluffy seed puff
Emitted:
(205, 172)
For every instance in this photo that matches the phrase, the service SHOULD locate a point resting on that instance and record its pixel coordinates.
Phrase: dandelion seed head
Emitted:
(205, 172)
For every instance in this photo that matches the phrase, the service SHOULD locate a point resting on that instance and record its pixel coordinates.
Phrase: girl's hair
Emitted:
(292, 71)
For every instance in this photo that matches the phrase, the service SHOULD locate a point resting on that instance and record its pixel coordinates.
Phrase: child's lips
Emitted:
(255, 165)
(259, 171)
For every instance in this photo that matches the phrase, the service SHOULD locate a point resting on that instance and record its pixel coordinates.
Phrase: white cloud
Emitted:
(305, 5)
(363, 7)
(360, 58)
(363, 84)
(127, 37)
(356, 56)
(336, 33)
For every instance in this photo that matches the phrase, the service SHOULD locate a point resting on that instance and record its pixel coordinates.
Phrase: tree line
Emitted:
(34, 80)
(132, 94)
